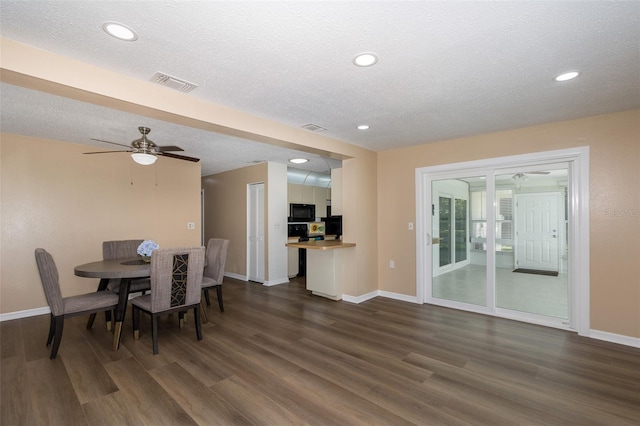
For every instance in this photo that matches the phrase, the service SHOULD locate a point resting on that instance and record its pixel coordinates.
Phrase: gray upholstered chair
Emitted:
(176, 286)
(214, 271)
(125, 249)
(120, 249)
(64, 307)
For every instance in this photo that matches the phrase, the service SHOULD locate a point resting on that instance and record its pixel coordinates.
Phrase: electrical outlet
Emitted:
(410, 226)
(191, 225)
(392, 264)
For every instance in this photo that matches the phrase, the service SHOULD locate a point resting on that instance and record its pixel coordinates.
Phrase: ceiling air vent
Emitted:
(173, 82)
(314, 128)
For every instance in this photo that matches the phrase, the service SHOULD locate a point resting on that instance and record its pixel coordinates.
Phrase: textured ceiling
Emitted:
(445, 69)
(28, 112)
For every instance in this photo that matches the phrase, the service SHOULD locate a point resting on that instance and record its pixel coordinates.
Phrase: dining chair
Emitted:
(217, 249)
(120, 249)
(176, 286)
(65, 307)
(124, 249)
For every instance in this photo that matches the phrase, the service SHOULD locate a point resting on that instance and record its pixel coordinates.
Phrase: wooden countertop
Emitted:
(321, 244)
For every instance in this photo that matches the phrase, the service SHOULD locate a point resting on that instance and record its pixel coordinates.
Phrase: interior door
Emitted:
(255, 231)
(538, 231)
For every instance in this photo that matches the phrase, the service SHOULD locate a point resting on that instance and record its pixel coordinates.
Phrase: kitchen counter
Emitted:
(321, 244)
(324, 266)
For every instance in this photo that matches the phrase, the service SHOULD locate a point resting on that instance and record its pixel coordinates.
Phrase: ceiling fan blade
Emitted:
(168, 148)
(113, 143)
(103, 152)
(179, 157)
(537, 173)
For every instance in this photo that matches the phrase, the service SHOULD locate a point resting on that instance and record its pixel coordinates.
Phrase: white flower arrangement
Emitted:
(147, 247)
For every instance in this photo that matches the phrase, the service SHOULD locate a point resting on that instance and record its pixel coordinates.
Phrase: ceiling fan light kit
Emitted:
(143, 158)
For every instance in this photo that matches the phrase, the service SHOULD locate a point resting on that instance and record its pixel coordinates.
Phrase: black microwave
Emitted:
(302, 212)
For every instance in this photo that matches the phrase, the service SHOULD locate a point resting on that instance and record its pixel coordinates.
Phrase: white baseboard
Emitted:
(24, 314)
(276, 282)
(236, 276)
(267, 283)
(615, 338)
(398, 296)
(359, 299)
(387, 294)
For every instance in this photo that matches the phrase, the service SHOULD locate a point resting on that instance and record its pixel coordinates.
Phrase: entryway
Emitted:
(503, 237)
(255, 232)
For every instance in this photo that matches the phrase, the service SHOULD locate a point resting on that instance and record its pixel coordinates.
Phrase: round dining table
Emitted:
(121, 272)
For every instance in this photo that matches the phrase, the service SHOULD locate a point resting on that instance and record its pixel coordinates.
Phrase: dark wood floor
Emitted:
(280, 356)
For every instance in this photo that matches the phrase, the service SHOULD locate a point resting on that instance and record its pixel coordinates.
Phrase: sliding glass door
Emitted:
(498, 243)
(508, 237)
(453, 276)
(531, 226)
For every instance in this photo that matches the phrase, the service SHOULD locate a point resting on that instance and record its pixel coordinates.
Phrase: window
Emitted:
(461, 230)
(504, 220)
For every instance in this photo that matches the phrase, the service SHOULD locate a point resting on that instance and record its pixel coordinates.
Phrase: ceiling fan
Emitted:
(524, 174)
(144, 151)
(520, 178)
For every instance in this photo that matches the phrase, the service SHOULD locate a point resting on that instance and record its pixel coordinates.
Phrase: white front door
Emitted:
(538, 231)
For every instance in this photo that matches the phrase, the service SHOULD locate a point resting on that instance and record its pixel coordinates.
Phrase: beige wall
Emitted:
(614, 142)
(225, 212)
(54, 197)
(360, 218)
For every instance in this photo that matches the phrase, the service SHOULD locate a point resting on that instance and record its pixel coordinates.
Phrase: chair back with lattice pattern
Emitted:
(176, 277)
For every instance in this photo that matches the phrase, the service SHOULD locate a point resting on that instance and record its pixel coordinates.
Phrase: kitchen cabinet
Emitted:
(302, 194)
(292, 261)
(336, 192)
(320, 196)
(324, 266)
(294, 193)
(306, 194)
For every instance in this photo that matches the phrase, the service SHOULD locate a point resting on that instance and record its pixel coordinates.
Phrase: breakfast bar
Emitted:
(324, 266)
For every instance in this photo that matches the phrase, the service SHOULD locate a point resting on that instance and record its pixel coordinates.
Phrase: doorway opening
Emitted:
(507, 237)
(255, 232)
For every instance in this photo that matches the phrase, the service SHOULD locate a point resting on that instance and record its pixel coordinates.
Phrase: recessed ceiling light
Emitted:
(298, 160)
(365, 60)
(119, 31)
(567, 76)
(363, 127)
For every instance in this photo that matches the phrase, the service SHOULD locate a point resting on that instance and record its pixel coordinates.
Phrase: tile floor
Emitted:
(537, 294)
